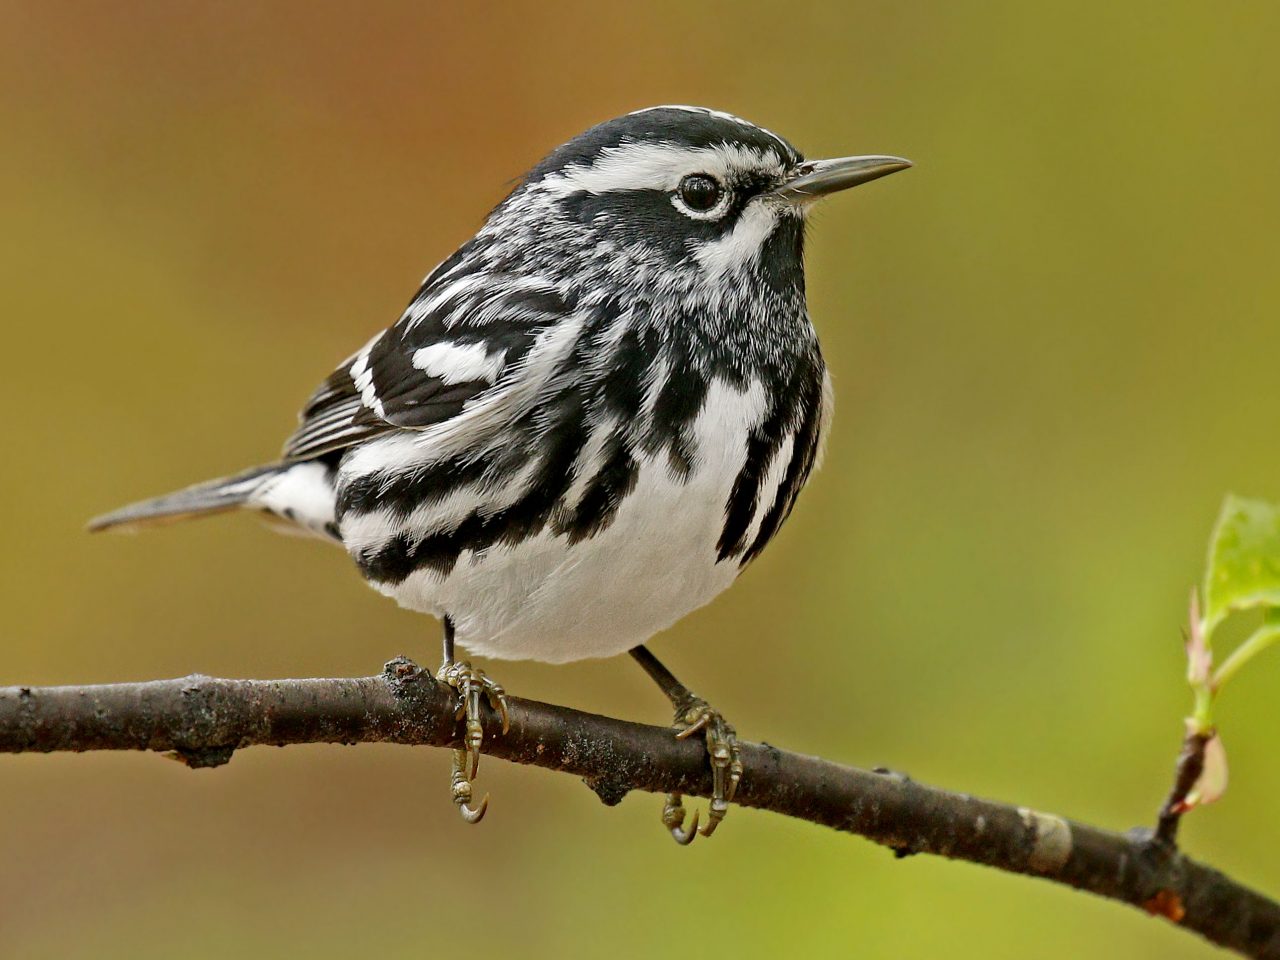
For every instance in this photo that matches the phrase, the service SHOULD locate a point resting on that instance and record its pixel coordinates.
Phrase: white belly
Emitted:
(548, 599)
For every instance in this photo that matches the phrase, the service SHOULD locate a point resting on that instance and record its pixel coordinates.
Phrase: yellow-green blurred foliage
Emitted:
(1054, 344)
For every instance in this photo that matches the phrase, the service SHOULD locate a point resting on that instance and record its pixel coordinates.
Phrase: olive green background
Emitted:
(1055, 348)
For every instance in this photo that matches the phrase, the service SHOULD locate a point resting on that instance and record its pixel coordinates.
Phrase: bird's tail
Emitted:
(213, 496)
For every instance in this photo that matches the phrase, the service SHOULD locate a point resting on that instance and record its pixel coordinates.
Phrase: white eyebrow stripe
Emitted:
(652, 166)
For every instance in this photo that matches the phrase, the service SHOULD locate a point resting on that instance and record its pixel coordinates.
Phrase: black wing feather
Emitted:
(502, 315)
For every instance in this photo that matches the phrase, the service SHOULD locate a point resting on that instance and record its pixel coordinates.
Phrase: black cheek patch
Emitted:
(782, 256)
(644, 218)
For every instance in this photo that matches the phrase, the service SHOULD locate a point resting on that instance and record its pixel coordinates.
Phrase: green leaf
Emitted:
(1244, 560)
(1265, 636)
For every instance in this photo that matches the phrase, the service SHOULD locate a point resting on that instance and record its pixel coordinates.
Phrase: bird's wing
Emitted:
(462, 338)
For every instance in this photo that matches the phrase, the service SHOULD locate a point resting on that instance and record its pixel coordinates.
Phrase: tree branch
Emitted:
(1189, 767)
(204, 720)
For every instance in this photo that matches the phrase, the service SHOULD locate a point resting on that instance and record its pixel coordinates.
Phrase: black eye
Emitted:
(700, 192)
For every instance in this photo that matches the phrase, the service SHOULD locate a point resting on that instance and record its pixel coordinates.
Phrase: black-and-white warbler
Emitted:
(588, 420)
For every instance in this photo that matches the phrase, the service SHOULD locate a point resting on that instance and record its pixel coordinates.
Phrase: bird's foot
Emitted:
(692, 716)
(472, 684)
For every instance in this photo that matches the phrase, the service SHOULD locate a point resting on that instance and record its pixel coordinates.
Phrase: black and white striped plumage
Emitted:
(593, 414)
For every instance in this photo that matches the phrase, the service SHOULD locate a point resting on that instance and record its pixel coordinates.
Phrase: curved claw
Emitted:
(474, 740)
(497, 700)
(476, 815)
(735, 778)
(693, 716)
(472, 686)
(673, 814)
(714, 816)
(683, 837)
(699, 724)
(462, 789)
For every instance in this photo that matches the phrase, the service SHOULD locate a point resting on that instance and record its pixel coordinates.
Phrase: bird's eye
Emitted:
(700, 192)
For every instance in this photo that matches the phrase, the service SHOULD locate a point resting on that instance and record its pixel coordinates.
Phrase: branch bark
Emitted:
(1189, 767)
(203, 720)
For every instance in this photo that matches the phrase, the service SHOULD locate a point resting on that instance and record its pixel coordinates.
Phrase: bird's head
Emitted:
(675, 195)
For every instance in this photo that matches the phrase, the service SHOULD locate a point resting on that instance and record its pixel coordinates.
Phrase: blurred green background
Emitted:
(1054, 344)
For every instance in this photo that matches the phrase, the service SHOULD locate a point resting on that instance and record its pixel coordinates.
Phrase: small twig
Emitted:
(1189, 767)
(203, 721)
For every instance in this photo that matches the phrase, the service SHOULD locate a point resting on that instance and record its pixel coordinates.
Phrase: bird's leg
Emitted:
(694, 714)
(471, 684)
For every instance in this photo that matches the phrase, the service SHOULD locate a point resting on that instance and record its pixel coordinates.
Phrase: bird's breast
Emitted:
(561, 592)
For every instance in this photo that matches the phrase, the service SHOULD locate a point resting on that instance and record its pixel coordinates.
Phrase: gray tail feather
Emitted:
(213, 496)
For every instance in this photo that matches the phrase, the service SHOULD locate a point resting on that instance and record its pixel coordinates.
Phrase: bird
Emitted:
(587, 422)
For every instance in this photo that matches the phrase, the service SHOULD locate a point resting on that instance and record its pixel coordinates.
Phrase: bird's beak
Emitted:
(817, 178)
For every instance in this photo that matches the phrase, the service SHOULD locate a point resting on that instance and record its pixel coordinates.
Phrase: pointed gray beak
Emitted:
(817, 178)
